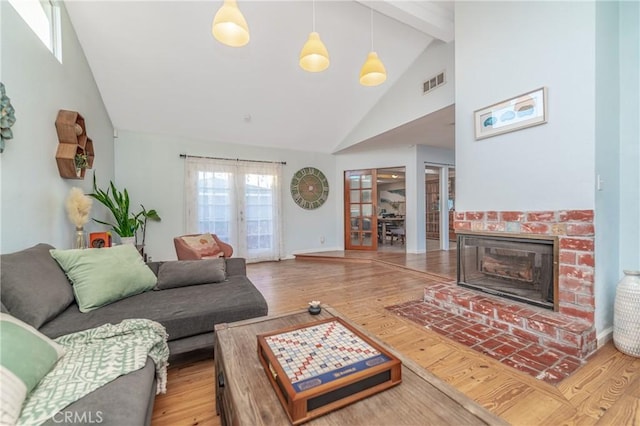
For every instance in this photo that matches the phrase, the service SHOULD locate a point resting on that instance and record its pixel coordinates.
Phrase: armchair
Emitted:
(201, 246)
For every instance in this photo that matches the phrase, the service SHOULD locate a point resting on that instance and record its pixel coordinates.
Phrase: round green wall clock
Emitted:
(309, 188)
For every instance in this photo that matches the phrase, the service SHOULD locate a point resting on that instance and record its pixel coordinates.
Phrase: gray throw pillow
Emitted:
(182, 273)
(34, 288)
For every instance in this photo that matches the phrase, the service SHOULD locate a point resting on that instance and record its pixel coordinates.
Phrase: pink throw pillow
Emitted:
(204, 245)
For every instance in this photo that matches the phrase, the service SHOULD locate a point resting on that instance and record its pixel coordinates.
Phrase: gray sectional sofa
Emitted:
(36, 291)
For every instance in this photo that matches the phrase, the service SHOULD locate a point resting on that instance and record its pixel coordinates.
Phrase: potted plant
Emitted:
(82, 162)
(126, 222)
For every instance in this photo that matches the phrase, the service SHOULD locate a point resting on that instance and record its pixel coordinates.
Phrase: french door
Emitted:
(239, 201)
(360, 218)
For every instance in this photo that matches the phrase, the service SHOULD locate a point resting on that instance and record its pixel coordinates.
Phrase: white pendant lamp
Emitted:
(373, 72)
(229, 26)
(314, 56)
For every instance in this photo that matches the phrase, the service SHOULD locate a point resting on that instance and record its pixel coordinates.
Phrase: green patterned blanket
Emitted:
(93, 358)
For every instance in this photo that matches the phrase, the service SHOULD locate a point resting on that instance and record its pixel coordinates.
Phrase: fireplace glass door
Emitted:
(515, 268)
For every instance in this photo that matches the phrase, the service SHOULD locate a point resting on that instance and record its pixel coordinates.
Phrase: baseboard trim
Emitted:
(604, 336)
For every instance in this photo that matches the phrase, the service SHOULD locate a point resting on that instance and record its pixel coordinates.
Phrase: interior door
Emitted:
(360, 218)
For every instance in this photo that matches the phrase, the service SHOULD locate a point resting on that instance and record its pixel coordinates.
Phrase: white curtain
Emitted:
(239, 201)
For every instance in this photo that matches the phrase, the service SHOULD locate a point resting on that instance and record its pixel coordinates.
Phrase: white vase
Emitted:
(626, 314)
(128, 240)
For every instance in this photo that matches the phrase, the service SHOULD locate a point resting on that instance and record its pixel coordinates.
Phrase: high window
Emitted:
(43, 17)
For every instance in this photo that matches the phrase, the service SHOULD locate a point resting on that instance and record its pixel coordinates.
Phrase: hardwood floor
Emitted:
(606, 391)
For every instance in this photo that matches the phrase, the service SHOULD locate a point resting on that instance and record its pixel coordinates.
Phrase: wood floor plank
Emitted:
(604, 391)
(625, 412)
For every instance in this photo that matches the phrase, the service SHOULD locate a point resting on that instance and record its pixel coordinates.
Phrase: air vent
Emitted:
(433, 82)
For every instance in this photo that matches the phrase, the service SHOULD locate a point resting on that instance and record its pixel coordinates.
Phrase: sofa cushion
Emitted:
(105, 275)
(182, 273)
(34, 288)
(205, 245)
(184, 311)
(126, 400)
(26, 356)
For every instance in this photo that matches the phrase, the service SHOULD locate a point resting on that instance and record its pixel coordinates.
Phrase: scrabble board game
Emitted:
(321, 366)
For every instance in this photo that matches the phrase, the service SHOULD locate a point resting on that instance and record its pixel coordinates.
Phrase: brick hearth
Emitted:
(570, 330)
(570, 335)
(496, 340)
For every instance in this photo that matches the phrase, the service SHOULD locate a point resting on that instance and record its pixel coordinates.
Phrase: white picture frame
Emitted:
(517, 113)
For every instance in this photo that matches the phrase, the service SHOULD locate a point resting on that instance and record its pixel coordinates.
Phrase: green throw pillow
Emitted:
(26, 356)
(105, 275)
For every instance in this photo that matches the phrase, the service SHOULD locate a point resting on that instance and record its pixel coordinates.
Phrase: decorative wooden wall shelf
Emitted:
(88, 149)
(72, 138)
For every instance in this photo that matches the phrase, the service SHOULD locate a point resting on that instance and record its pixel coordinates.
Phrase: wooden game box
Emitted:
(319, 367)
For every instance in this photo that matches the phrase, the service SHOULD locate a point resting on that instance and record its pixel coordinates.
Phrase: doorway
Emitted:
(239, 201)
(361, 203)
(375, 209)
(439, 207)
(392, 210)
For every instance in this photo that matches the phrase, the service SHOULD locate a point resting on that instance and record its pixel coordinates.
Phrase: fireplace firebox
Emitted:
(517, 267)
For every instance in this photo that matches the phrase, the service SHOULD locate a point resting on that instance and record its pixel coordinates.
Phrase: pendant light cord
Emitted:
(371, 29)
(313, 3)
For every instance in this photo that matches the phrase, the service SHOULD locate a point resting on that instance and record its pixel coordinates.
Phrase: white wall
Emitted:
(33, 193)
(151, 169)
(404, 101)
(607, 220)
(504, 49)
(629, 36)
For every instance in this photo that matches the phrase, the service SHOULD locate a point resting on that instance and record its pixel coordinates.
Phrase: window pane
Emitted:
(366, 196)
(355, 196)
(354, 182)
(39, 16)
(355, 210)
(259, 212)
(214, 203)
(367, 181)
(367, 210)
(355, 238)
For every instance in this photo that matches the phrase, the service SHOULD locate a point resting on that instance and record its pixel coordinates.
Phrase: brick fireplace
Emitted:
(570, 328)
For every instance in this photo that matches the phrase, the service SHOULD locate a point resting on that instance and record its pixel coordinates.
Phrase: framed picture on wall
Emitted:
(520, 112)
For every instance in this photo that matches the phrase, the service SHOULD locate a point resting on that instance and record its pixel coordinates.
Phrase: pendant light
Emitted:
(229, 26)
(372, 72)
(314, 56)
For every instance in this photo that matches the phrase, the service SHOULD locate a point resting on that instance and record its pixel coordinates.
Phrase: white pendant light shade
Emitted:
(229, 26)
(372, 72)
(314, 56)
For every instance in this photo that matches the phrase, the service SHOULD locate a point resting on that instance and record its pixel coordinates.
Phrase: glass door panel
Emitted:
(360, 196)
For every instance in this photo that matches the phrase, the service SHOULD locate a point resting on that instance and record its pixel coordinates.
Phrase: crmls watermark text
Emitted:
(78, 417)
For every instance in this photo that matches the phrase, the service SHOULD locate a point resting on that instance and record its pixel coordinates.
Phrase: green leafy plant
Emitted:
(81, 161)
(126, 223)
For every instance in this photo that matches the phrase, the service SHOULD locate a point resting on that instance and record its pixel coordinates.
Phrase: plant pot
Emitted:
(128, 240)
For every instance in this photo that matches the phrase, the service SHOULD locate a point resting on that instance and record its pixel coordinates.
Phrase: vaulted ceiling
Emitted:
(159, 69)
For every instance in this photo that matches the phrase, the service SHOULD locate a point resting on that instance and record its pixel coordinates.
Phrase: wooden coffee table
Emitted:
(244, 395)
